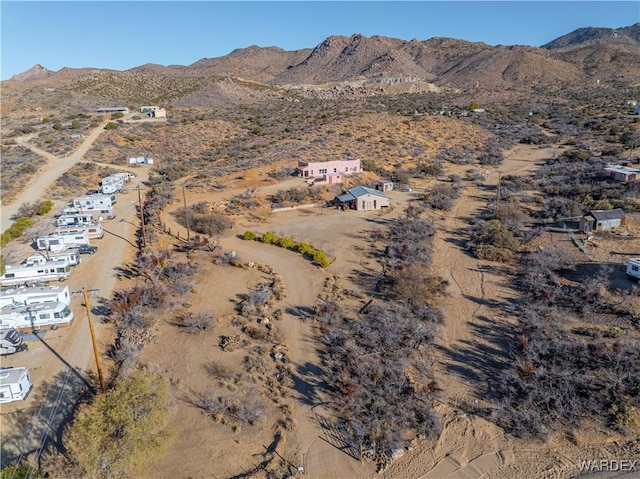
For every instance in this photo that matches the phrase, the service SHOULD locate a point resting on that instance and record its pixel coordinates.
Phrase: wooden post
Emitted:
(93, 339)
(186, 216)
(143, 240)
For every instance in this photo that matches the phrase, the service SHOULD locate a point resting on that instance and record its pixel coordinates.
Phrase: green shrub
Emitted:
(21, 470)
(16, 229)
(287, 242)
(249, 235)
(305, 249)
(320, 258)
(124, 428)
(111, 126)
(269, 238)
(45, 207)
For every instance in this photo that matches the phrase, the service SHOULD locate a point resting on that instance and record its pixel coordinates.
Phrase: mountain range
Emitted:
(587, 56)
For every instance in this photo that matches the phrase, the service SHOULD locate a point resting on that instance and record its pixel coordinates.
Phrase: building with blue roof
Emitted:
(362, 198)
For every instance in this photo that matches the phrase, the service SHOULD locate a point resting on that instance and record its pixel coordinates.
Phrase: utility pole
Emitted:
(93, 339)
(186, 216)
(495, 210)
(143, 240)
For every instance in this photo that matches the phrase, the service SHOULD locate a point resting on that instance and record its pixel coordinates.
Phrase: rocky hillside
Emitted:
(354, 66)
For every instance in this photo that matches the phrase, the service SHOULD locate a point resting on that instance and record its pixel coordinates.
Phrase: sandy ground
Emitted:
(472, 346)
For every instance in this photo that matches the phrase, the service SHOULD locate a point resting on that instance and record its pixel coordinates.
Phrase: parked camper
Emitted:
(11, 341)
(71, 255)
(57, 242)
(94, 202)
(15, 384)
(35, 274)
(633, 268)
(33, 317)
(74, 219)
(94, 230)
(98, 214)
(34, 295)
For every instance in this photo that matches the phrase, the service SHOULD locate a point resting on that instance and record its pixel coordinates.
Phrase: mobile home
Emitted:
(94, 202)
(96, 214)
(57, 242)
(35, 274)
(33, 317)
(75, 219)
(633, 268)
(94, 230)
(11, 341)
(35, 295)
(15, 384)
(71, 255)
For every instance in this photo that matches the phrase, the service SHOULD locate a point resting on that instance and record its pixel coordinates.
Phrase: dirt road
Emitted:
(47, 174)
(62, 362)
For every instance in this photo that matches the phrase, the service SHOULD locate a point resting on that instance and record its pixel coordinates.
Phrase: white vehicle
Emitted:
(71, 255)
(57, 242)
(11, 341)
(35, 274)
(33, 317)
(97, 214)
(34, 295)
(94, 202)
(94, 230)
(633, 268)
(15, 384)
(75, 219)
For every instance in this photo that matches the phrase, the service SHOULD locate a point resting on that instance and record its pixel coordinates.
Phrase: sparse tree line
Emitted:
(318, 256)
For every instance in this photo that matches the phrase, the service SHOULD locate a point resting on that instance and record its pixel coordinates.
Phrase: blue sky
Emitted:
(124, 34)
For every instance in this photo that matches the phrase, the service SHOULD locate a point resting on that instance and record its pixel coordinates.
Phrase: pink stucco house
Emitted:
(323, 169)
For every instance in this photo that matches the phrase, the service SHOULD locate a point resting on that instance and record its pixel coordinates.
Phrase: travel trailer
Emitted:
(33, 317)
(633, 268)
(94, 202)
(114, 183)
(35, 274)
(34, 295)
(57, 242)
(98, 214)
(94, 230)
(15, 384)
(11, 341)
(72, 255)
(74, 219)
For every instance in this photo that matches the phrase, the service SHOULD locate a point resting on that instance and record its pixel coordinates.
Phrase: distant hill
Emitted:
(354, 65)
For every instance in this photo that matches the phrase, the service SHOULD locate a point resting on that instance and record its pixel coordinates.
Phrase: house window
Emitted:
(374, 204)
(635, 268)
(363, 203)
(323, 171)
(335, 170)
(42, 316)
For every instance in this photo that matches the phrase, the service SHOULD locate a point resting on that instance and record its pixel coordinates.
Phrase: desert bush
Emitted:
(492, 240)
(249, 235)
(22, 470)
(16, 230)
(287, 242)
(269, 238)
(122, 429)
(198, 322)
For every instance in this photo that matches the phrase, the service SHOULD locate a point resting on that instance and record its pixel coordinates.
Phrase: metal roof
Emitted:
(359, 191)
(603, 215)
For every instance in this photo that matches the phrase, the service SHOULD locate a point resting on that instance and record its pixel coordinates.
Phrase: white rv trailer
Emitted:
(15, 384)
(33, 317)
(11, 341)
(111, 185)
(94, 202)
(72, 255)
(35, 274)
(57, 242)
(74, 219)
(96, 214)
(94, 230)
(633, 268)
(34, 295)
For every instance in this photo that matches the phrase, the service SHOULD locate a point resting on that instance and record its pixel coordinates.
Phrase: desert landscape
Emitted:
(256, 323)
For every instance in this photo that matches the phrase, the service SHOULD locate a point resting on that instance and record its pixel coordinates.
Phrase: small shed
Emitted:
(602, 220)
(385, 186)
